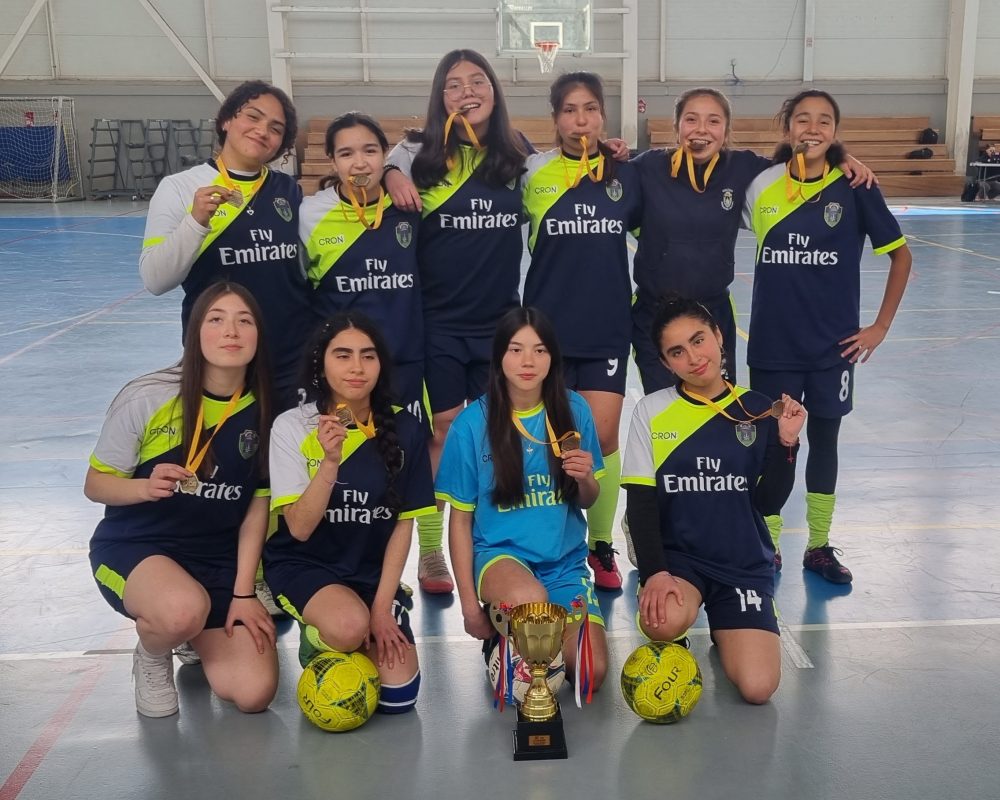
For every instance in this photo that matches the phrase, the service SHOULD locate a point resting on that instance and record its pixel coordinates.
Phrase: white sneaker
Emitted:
(155, 693)
(186, 654)
(263, 592)
(629, 547)
(433, 575)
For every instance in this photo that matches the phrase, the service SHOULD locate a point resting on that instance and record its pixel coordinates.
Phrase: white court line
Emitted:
(964, 250)
(791, 647)
(622, 634)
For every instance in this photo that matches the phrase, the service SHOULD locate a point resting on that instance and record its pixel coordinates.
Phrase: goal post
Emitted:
(39, 150)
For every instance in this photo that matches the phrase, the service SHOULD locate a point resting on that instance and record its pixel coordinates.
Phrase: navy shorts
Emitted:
(827, 393)
(411, 394)
(727, 607)
(455, 368)
(596, 374)
(295, 582)
(654, 374)
(113, 562)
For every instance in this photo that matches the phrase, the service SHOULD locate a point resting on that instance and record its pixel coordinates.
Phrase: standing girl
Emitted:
(181, 465)
(519, 467)
(581, 205)
(349, 474)
(701, 458)
(465, 164)
(362, 250)
(805, 323)
(234, 219)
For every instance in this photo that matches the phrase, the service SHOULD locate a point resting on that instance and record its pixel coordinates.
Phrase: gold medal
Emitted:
(777, 408)
(235, 198)
(343, 414)
(189, 485)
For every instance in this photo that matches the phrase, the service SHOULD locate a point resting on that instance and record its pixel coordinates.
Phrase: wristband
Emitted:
(244, 597)
(390, 167)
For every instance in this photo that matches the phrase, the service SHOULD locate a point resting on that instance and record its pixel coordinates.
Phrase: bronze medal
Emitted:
(235, 198)
(189, 485)
(344, 415)
(571, 442)
(777, 408)
(360, 181)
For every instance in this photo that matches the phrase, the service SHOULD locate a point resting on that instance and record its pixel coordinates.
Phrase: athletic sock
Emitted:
(430, 532)
(601, 515)
(819, 517)
(774, 524)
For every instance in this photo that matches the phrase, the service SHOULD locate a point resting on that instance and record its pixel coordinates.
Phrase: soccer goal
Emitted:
(39, 157)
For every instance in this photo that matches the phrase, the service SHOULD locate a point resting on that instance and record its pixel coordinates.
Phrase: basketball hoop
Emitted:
(547, 52)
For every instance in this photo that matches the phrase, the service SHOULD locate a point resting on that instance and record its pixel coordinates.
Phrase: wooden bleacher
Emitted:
(881, 142)
(987, 129)
(540, 131)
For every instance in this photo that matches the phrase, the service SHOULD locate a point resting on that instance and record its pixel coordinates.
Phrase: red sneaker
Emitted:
(433, 575)
(602, 561)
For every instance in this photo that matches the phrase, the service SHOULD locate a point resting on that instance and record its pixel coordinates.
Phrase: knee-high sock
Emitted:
(601, 515)
(819, 516)
(430, 532)
(774, 524)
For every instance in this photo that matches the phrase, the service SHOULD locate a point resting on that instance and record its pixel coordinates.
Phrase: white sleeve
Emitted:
(288, 467)
(637, 465)
(402, 156)
(120, 442)
(172, 238)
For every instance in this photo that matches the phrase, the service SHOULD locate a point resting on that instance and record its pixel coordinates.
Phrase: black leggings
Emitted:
(821, 467)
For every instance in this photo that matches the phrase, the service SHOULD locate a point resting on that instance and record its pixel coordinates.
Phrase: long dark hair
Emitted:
(192, 369)
(251, 90)
(590, 81)
(783, 152)
(505, 149)
(352, 119)
(318, 390)
(505, 441)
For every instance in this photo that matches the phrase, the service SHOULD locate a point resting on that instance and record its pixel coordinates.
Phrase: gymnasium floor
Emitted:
(889, 687)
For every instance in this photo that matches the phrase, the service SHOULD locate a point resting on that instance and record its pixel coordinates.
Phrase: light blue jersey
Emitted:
(541, 530)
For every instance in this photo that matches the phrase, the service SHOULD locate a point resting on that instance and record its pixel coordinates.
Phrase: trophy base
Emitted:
(536, 741)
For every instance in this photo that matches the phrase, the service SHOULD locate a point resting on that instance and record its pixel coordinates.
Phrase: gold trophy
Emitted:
(537, 631)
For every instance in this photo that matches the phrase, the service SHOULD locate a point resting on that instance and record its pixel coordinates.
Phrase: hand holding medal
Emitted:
(791, 417)
(577, 463)
(331, 431)
(163, 481)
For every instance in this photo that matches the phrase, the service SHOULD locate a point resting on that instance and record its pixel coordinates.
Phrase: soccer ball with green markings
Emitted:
(661, 682)
(337, 691)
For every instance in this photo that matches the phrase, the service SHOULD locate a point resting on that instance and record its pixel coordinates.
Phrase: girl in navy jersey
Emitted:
(581, 205)
(692, 199)
(805, 324)
(520, 465)
(181, 465)
(701, 458)
(362, 250)
(234, 219)
(349, 474)
(465, 165)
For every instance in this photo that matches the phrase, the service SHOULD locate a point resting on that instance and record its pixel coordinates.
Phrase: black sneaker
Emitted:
(823, 561)
(777, 561)
(684, 641)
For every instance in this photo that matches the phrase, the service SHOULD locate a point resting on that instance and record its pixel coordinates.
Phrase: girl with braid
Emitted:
(350, 473)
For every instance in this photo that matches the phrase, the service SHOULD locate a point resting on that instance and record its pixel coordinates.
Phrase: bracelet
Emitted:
(244, 596)
(390, 167)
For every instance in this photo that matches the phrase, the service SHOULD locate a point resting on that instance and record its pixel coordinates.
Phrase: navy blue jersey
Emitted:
(579, 274)
(687, 239)
(704, 468)
(352, 537)
(372, 270)
(144, 427)
(807, 277)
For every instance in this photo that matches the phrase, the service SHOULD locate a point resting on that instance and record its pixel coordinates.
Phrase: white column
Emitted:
(961, 73)
(630, 73)
(280, 72)
(809, 42)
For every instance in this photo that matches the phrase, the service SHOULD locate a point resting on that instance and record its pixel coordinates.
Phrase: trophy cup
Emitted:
(537, 631)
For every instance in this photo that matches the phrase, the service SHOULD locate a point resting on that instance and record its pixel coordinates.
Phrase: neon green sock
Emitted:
(430, 532)
(819, 517)
(774, 524)
(601, 515)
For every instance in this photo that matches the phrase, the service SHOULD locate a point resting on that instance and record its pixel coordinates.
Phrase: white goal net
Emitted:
(39, 156)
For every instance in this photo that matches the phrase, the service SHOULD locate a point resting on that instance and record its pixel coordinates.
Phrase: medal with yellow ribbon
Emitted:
(568, 441)
(596, 174)
(361, 182)
(776, 410)
(345, 416)
(235, 195)
(793, 189)
(675, 167)
(468, 132)
(191, 483)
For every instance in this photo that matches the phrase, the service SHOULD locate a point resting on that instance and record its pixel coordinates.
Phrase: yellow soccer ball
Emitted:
(338, 691)
(661, 682)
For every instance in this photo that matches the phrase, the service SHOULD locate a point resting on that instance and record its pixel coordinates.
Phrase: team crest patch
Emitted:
(404, 233)
(727, 199)
(512, 184)
(284, 209)
(832, 214)
(248, 443)
(614, 189)
(746, 433)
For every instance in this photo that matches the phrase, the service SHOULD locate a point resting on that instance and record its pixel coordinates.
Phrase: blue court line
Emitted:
(943, 211)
